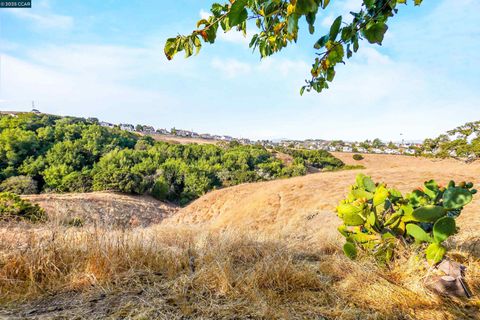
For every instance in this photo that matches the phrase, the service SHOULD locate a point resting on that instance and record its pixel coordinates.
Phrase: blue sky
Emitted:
(105, 59)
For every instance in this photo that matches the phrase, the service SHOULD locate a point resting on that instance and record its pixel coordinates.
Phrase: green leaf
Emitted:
(321, 42)
(456, 198)
(292, 24)
(350, 250)
(376, 32)
(302, 90)
(170, 48)
(369, 3)
(350, 214)
(325, 3)
(362, 238)
(306, 6)
(380, 196)
(335, 28)
(369, 184)
(444, 228)
(360, 194)
(428, 213)
(435, 253)
(238, 13)
(418, 233)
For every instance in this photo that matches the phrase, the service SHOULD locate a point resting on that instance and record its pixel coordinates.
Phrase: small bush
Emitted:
(76, 222)
(358, 157)
(12, 207)
(19, 185)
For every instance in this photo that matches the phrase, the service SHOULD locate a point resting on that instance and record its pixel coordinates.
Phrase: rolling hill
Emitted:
(306, 204)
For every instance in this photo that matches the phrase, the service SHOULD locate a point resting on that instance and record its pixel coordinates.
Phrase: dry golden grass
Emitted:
(186, 273)
(103, 208)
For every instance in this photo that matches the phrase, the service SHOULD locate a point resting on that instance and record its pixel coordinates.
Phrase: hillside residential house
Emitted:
(183, 133)
(127, 127)
(148, 129)
(206, 136)
(107, 124)
(245, 141)
(163, 131)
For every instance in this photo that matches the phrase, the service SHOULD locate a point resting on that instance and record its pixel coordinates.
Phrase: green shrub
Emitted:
(377, 218)
(160, 189)
(19, 185)
(12, 207)
(75, 222)
(358, 157)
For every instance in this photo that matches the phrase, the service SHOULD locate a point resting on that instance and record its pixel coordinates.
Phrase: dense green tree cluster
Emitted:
(43, 153)
(463, 142)
(320, 159)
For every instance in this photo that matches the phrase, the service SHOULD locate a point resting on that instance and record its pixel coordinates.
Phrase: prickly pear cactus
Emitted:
(376, 218)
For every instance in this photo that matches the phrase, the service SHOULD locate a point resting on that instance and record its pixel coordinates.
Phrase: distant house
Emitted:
(206, 136)
(127, 127)
(409, 151)
(36, 111)
(347, 149)
(227, 138)
(163, 131)
(107, 124)
(148, 129)
(183, 133)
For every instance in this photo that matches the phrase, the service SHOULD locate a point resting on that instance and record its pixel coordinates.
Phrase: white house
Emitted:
(409, 151)
(107, 124)
(127, 127)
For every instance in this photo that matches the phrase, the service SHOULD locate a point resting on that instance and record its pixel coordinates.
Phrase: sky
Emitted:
(105, 59)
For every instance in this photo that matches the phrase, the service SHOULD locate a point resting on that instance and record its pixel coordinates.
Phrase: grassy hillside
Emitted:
(256, 251)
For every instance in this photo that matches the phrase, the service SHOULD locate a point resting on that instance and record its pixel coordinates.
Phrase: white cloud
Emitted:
(204, 14)
(102, 89)
(234, 36)
(44, 20)
(231, 68)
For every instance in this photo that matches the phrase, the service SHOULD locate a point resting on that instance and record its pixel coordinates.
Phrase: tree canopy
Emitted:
(277, 26)
(44, 153)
